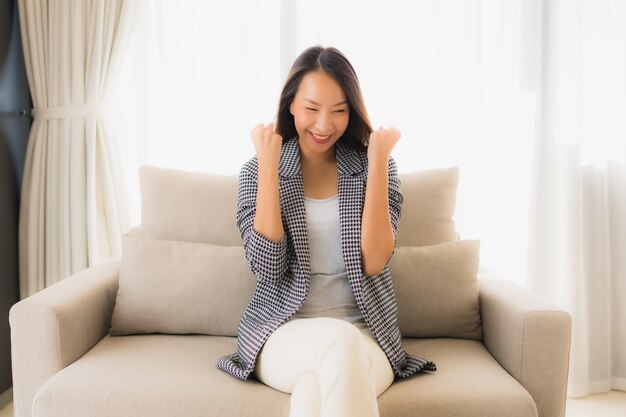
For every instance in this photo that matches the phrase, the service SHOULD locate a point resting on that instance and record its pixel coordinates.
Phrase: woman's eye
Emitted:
(309, 108)
(340, 111)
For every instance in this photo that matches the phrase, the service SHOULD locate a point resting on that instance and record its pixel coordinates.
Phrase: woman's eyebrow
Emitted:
(317, 104)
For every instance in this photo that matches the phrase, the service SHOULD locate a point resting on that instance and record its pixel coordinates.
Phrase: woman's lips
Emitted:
(320, 139)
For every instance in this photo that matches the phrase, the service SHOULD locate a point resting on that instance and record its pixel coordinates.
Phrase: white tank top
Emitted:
(330, 294)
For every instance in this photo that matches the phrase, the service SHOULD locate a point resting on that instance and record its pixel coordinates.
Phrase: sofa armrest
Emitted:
(530, 338)
(54, 327)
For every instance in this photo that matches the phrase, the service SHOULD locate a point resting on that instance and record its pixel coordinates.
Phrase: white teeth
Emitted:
(320, 137)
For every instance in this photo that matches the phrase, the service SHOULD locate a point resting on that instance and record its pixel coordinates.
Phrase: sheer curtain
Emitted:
(511, 91)
(199, 76)
(578, 207)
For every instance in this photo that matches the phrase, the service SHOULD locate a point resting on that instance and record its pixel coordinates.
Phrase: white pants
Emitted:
(331, 368)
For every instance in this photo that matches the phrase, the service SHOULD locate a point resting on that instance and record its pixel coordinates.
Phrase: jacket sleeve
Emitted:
(395, 201)
(395, 197)
(267, 259)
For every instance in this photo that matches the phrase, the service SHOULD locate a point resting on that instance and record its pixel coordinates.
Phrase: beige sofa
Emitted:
(90, 345)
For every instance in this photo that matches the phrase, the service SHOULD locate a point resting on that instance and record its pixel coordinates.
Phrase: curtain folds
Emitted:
(74, 206)
(577, 236)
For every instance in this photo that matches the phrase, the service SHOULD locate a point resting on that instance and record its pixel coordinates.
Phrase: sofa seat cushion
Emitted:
(171, 375)
(469, 382)
(156, 375)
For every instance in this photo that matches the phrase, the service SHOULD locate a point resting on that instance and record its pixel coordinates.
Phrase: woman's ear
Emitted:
(291, 108)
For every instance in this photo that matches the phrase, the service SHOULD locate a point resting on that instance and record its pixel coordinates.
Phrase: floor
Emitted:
(612, 404)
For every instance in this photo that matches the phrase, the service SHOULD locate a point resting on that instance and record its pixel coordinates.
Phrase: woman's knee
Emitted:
(345, 345)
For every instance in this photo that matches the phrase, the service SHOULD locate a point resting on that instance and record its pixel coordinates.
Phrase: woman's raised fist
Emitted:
(381, 143)
(267, 143)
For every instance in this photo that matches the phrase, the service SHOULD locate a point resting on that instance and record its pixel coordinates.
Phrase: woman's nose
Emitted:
(323, 123)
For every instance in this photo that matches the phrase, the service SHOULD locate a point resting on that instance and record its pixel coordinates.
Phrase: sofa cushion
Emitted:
(469, 382)
(201, 207)
(184, 287)
(437, 289)
(188, 206)
(428, 207)
(156, 375)
(167, 375)
(181, 287)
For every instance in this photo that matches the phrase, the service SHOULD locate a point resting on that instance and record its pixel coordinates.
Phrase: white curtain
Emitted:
(73, 207)
(577, 245)
(199, 75)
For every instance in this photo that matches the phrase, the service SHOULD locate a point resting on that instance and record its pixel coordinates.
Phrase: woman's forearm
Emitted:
(267, 217)
(267, 220)
(376, 232)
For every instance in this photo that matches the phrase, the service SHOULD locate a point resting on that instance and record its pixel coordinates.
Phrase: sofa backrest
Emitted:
(428, 207)
(188, 206)
(201, 207)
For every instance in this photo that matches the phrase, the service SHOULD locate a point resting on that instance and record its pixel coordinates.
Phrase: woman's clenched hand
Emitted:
(381, 143)
(267, 144)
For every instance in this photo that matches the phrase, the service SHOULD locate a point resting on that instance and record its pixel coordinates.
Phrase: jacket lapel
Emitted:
(291, 189)
(352, 178)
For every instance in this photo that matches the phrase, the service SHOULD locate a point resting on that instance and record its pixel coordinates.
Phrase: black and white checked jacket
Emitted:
(283, 268)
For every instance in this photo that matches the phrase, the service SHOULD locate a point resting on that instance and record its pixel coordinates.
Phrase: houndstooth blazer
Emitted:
(283, 268)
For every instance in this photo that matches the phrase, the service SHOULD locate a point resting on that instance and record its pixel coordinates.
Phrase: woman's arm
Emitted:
(258, 208)
(268, 220)
(376, 235)
(381, 209)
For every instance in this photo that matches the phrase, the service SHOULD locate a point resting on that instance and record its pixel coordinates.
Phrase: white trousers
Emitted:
(331, 368)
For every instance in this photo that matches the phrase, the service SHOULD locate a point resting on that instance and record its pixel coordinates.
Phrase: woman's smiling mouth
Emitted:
(319, 138)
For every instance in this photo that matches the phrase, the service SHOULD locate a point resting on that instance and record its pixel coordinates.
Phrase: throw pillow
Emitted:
(181, 288)
(437, 289)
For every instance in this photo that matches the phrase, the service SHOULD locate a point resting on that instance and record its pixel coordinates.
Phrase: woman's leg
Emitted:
(348, 368)
(383, 373)
(305, 396)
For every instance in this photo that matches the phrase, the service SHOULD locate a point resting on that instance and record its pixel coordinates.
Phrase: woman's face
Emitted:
(320, 112)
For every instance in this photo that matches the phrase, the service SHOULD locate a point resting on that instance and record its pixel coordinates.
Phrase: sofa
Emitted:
(140, 335)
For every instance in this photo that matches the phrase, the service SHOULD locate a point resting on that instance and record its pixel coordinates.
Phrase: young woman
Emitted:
(318, 209)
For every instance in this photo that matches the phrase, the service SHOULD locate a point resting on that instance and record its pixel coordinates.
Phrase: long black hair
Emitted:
(335, 64)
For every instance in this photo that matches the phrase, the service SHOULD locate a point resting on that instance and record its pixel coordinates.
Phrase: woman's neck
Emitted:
(318, 160)
(319, 174)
